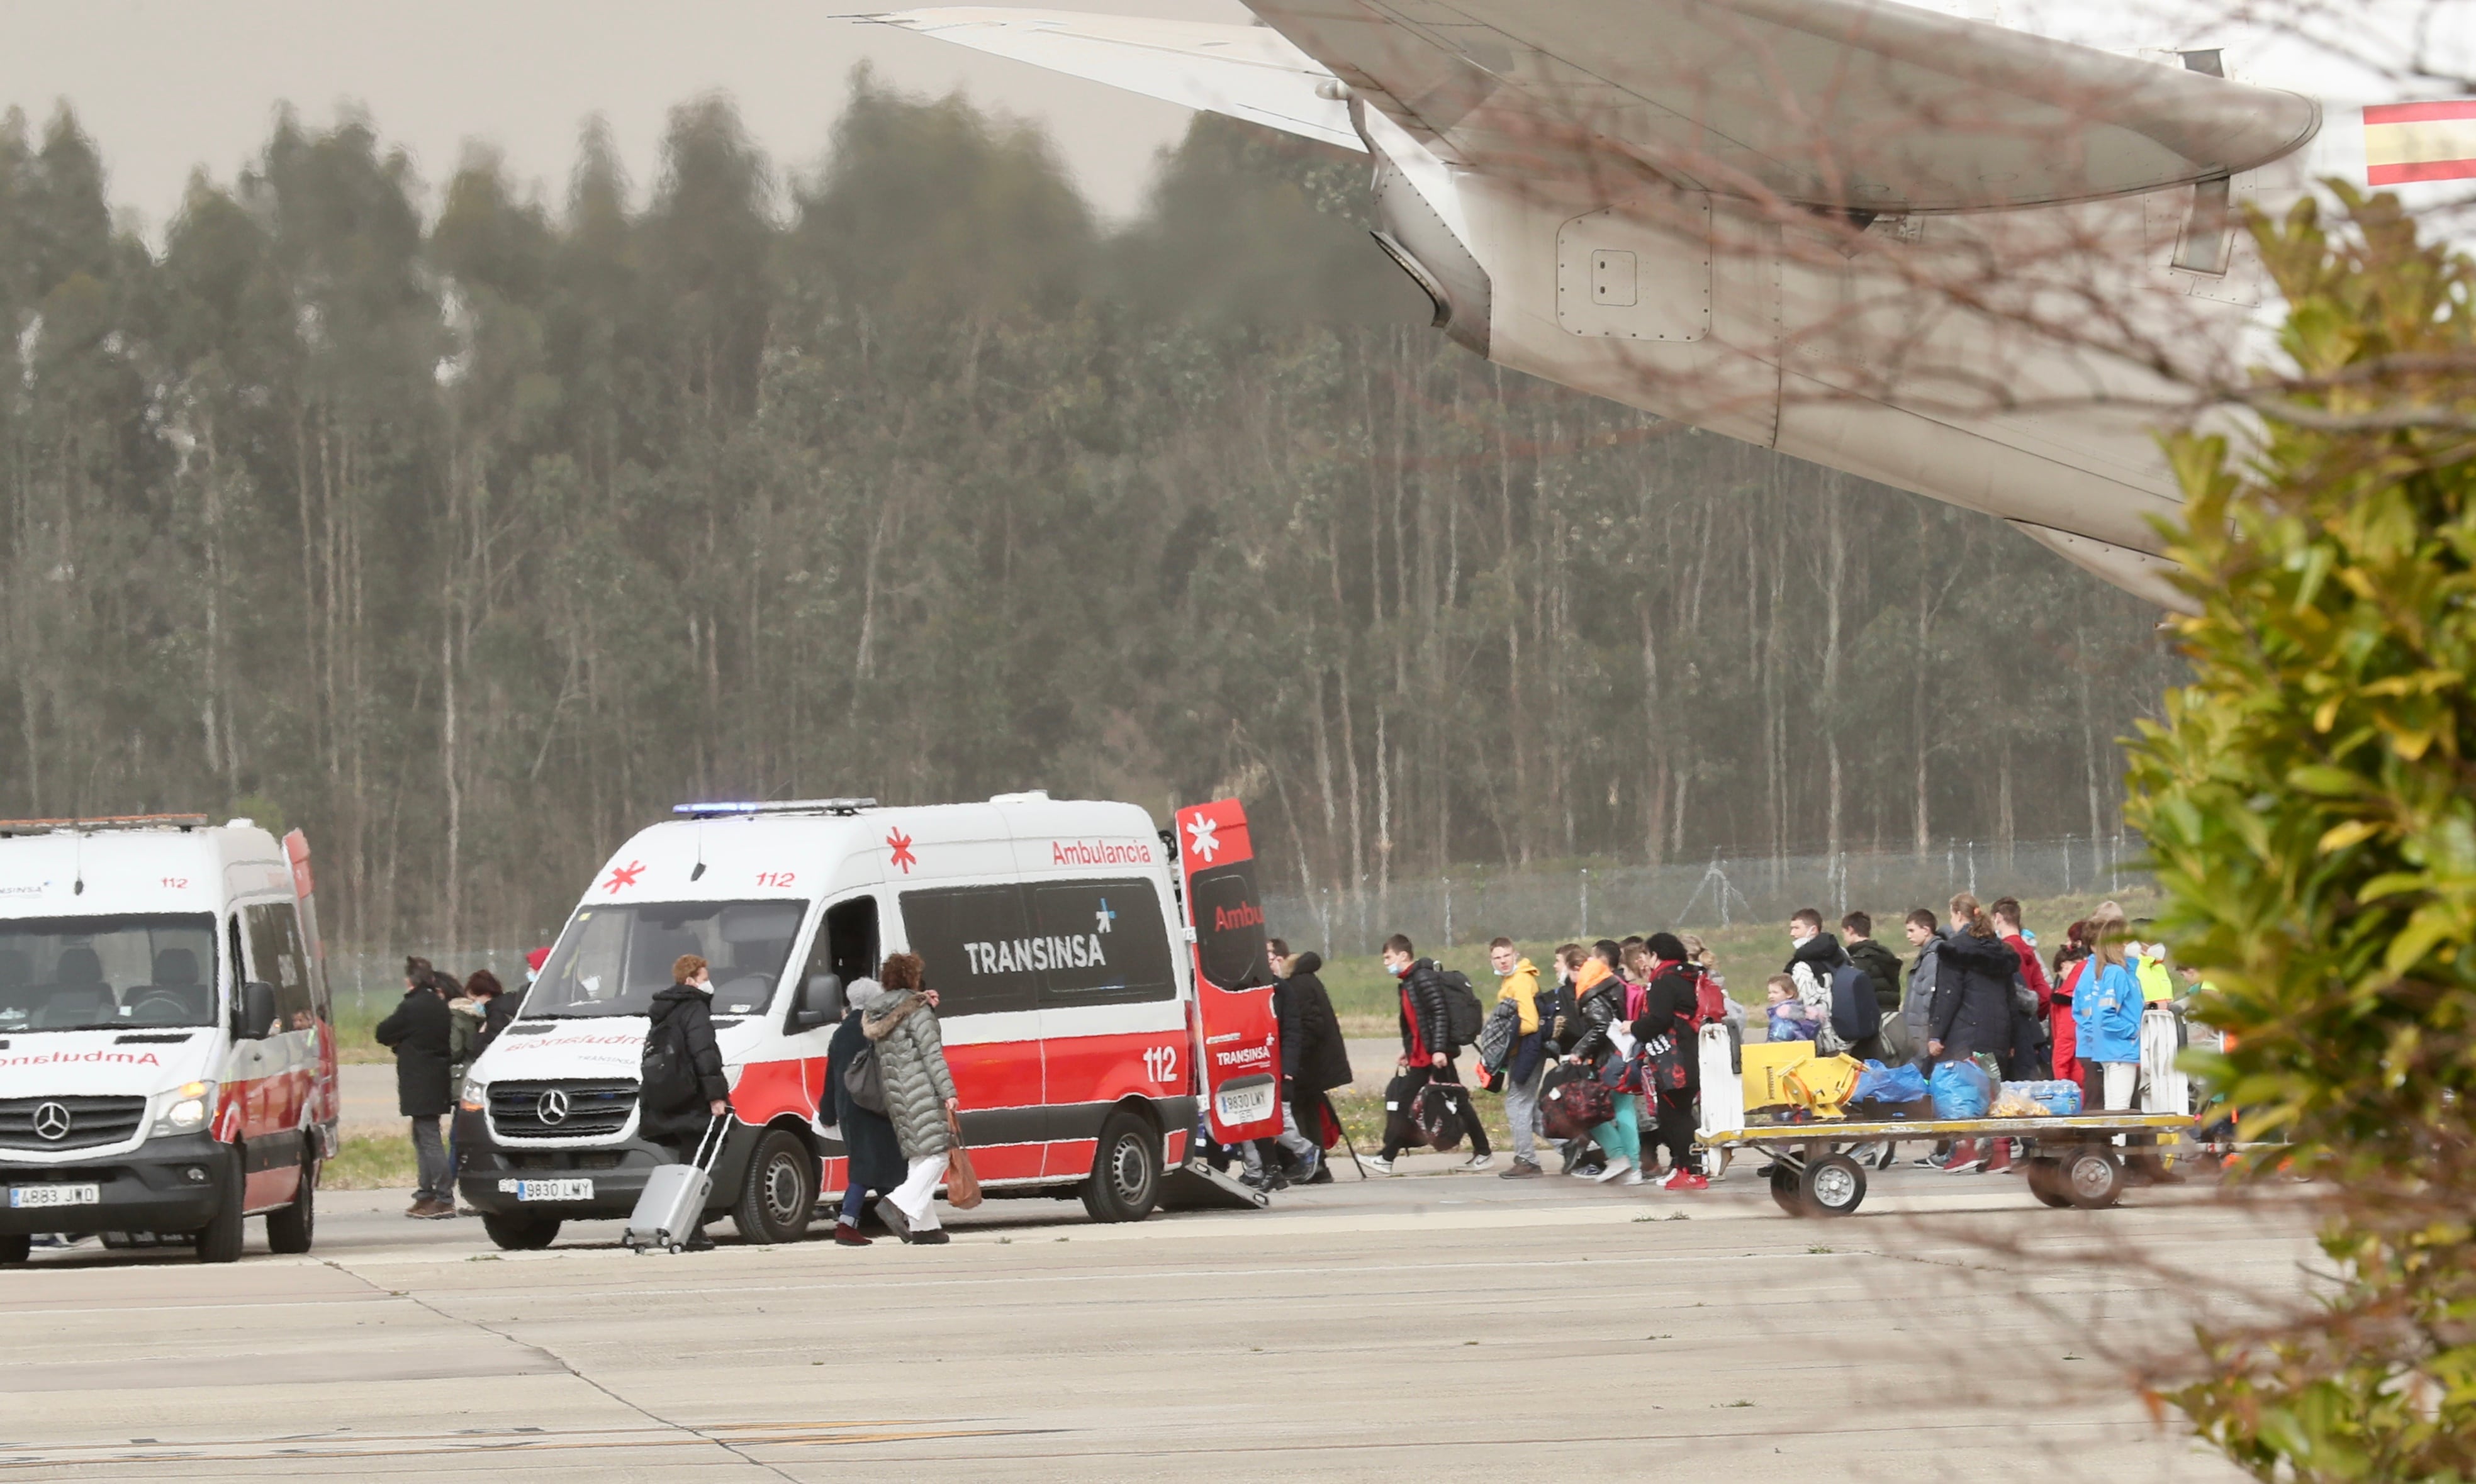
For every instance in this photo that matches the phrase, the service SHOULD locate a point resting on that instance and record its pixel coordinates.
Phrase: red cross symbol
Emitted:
(902, 844)
(623, 875)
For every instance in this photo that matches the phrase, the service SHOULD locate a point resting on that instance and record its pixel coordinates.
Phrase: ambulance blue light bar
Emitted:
(782, 807)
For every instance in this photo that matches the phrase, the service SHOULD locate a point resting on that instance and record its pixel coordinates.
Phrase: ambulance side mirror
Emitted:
(257, 1010)
(820, 1003)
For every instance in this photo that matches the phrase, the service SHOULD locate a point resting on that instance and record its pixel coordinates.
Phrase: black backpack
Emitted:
(1463, 1015)
(1855, 1012)
(667, 1081)
(1560, 1017)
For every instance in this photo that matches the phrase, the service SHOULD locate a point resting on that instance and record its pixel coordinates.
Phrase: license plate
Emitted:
(551, 1190)
(26, 1198)
(1245, 1104)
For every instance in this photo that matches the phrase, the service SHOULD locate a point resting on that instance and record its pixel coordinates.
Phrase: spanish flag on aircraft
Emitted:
(2421, 141)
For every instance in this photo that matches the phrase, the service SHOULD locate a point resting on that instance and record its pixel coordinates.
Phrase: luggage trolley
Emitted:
(2071, 1161)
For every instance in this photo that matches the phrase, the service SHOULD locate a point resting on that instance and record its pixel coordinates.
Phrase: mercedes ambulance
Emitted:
(167, 1056)
(1055, 933)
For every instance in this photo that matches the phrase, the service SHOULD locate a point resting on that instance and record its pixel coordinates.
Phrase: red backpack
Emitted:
(1710, 1001)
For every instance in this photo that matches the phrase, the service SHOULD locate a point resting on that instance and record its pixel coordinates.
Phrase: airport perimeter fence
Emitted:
(1611, 900)
(364, 984)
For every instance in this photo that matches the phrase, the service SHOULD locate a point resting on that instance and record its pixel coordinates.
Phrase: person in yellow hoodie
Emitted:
(1517, 981)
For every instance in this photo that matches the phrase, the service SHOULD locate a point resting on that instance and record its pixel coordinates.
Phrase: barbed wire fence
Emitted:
(1606, 900)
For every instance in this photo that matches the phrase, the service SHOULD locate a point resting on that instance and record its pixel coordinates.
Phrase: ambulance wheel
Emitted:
(1784, 1191)
(1834, 1185)
(291, 1229)
(220, 1239)
(779, 1192)
(2092, 1177)
(15, 1248)
(2046, 1183)
(520, 1233)
(1125, 1180)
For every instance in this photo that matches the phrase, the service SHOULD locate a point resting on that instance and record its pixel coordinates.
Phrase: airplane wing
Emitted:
(1855, 104)
(1248, 72)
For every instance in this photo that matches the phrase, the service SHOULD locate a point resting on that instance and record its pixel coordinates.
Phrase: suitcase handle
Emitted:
(715, 1133)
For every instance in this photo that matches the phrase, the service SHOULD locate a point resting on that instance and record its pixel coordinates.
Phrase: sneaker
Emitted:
(698, 1242)
(1479, 1162)
(848, 1235)
(1521, 1170)
(1323, 1173)
(1966, 1164)
(2000, 1162)
(1375, 1164)
(1929, 1161)
(1683, 1180)
(895, 1221)
(1615, 1167)
(432, 1210)
(1631, 1177)
(935, 1236)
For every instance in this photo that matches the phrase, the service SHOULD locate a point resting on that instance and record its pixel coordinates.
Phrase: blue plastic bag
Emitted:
(2059, 1099)
(1903, 1083)
(1960, 1090)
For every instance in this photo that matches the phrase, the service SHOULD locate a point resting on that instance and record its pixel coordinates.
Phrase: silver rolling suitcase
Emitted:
(674, 1200)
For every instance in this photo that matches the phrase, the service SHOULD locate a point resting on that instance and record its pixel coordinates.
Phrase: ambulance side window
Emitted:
(276, 948)
(1101, 943)
(846, 949)
(976, 946)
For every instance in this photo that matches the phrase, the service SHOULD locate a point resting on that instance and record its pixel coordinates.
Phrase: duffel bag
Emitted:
(1443, 1115)
(1401, 1119)
(1572, 1108)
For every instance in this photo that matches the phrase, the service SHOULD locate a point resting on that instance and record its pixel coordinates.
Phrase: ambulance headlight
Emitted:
(477, 1095)
(186, 1108)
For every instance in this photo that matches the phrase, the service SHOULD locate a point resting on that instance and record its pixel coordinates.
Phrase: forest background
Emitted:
(471, 532)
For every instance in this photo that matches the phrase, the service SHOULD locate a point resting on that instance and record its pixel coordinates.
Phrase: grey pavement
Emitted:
(1368, 1331)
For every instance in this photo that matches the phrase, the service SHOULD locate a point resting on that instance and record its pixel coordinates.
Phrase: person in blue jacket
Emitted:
(2106, 1019)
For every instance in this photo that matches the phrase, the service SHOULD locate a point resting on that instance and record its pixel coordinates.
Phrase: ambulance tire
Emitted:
(520, 1233)
(15, 1250)
(779, 1192)
(220, 1239)
(1125, 1180)
(290, 1230)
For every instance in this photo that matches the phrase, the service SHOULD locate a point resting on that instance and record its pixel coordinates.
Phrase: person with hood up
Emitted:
(919, 1096)
(684, 1013)
(421, 1033)
(873, 1158)
(1518, 985)
(1314, 1058)
(1972, 1008)
(1427, 1045)
(1599, 995)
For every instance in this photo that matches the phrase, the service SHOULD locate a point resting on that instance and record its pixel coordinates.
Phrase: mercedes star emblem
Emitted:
(52, 1121)
(552, 1109)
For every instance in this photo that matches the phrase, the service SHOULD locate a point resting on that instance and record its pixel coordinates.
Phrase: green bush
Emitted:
(2312, 817)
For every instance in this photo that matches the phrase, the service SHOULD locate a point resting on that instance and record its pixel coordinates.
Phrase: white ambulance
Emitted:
(1052, 931)
(168, 1055)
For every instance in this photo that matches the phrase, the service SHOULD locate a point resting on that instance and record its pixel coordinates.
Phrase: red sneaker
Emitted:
(2001, 1161)
(1684, 1180)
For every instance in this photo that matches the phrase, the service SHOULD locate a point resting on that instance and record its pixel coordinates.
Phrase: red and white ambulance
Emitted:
(168, 1055)
(1054, 932)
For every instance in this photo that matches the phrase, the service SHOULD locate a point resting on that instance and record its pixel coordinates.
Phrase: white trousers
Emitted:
(2122, 1082)
(916, 1198)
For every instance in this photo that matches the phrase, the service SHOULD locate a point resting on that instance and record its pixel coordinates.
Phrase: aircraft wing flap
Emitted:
(1248, 72)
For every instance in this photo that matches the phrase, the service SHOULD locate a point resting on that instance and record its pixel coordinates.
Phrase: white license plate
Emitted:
(551, 1190)
(26, 1198)
(1245, 1104)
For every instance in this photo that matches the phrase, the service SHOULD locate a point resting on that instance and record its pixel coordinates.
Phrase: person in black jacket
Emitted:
(419, 1033)
(1314, 1058)
(685, 1010)
(873, 1157)
(1972, 1008)
(1427, 1046)
(1669, 1006)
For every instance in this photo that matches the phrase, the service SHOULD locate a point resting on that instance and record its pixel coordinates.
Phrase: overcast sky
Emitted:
(166, 85)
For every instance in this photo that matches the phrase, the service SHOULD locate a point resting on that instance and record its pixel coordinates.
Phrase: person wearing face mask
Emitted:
(1427, 1047)
(1518, 985)
(684, 1013)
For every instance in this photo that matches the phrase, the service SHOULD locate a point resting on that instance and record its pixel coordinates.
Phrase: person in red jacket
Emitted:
(2071, 965)
(2028, 1061)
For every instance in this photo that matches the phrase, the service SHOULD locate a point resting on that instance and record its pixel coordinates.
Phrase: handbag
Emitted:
(1574, 1105)
(864, 1079)
(962, 1182)
(1666, 1065)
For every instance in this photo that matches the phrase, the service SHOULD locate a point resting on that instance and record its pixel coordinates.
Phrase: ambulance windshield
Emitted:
(613, 960)
(107, 973)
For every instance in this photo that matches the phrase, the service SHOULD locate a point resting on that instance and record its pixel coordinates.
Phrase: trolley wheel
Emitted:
(2046, 1178)
(1784, 1190)
(780, 1191)
(1834, 1185)
(2092, 1177)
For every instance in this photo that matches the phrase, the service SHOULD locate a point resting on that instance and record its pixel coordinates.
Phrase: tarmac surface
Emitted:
(1429, 1323)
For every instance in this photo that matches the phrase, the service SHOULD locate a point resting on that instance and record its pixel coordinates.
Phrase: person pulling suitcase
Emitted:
(681, 1094)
